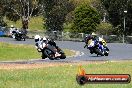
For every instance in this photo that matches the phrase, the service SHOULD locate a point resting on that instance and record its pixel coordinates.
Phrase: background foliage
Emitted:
(59, 14)
(55, 13)
(86, 19)
(116, 10)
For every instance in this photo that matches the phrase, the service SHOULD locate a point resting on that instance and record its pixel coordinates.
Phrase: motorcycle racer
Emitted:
(41, 43)
(12, 31)
(99, 40)
(93, 40)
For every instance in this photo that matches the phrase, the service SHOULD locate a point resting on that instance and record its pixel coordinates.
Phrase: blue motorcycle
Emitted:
(98, 48)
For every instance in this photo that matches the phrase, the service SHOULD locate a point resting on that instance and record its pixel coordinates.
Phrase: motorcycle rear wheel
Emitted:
(18, 39)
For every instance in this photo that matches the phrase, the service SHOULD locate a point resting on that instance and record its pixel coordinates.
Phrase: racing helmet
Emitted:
(44, 39)
(37, 38)
(12, 26)
(93, 34)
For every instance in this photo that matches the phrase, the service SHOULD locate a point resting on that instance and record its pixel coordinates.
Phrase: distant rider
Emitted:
(100, 40)
(12, 30)
(93, 40)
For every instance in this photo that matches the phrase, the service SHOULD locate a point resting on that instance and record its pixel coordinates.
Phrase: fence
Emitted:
(67, 36)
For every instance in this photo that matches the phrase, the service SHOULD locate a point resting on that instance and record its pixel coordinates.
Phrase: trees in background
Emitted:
(21, 9)
(86, 19)
(104, 28)
(115, 9)
(2, 12)
(58, 12)
(55, 12)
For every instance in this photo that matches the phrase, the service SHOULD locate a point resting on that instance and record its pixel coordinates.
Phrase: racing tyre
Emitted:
(43, 56)
(106, 54)
(24, 39)
(18, 38)
(49, 54)
(63, 56)
(99, 52)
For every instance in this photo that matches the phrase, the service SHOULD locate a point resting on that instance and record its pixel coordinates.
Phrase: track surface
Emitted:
(117, 52)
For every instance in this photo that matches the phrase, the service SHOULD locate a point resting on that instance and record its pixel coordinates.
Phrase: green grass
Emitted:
(21, 52)
(17, 52)
(62, 76)
(35, 23)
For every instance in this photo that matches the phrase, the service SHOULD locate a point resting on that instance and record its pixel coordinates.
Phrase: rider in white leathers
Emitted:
(12, 29)
(40, 43)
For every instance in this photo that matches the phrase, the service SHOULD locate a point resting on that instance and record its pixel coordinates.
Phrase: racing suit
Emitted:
(12, 30)
(40, 45)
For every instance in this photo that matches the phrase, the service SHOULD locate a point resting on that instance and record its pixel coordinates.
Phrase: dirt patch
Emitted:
(26, 66)
(9, 66)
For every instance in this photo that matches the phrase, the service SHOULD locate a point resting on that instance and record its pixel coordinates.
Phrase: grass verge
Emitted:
(21, 52)
(62, 76)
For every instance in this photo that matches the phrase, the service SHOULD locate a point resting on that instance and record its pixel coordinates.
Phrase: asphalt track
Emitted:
(118, 51)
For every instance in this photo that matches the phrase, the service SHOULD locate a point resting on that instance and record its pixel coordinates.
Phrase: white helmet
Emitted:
(37, 38)
(12, 26)
(44, 38)
(93, 33)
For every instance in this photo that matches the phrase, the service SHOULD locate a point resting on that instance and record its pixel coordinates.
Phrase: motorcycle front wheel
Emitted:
(106, 53)
(63, 56)
(98, 52)
(49, 54)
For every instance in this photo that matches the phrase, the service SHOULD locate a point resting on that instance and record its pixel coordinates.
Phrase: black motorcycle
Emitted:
(50, 51)
(19, 36)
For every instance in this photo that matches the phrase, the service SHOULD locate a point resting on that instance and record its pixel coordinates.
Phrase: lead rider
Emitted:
(41, 43)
